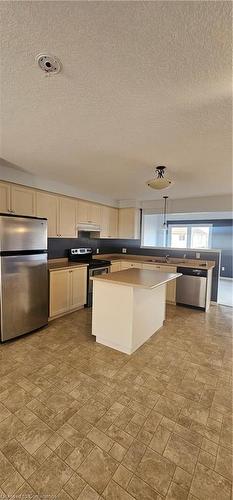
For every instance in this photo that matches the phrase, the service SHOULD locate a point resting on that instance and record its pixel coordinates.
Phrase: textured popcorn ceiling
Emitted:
(143, 83)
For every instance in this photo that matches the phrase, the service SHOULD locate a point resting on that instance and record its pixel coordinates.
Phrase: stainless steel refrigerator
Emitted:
(23, 275)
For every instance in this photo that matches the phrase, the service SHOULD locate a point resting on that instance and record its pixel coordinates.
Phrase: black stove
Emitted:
(84, 255)
(94, 263)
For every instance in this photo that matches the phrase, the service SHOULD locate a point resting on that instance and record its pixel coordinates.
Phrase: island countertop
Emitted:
(138, 278)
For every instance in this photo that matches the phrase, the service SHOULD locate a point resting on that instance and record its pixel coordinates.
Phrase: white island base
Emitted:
(125, 315)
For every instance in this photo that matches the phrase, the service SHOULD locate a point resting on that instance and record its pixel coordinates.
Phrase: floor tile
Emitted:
(224, 463)
(74, 486)
(115, 492)
(207, 485)
(134, 455)
(181, 453)
(140, 490)
(50, 477)
(98, 469)
(34, 436)
(175, 492)
(156, 471)
(18, 456)
(122, 476)
(160, 439)
(74, 397)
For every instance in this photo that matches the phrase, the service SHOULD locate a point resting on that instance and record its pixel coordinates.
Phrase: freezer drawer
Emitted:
(22, 234)
(191, 290)
(23, 294)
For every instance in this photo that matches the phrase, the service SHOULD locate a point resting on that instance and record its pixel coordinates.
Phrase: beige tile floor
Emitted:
(82, 421)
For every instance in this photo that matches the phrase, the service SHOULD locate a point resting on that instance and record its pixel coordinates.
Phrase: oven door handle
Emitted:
(105, 268)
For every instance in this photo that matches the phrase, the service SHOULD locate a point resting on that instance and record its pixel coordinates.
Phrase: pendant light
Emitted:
(165, 213)
(160, 182)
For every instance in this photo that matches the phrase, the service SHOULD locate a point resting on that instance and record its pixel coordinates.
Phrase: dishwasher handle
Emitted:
(191, 271)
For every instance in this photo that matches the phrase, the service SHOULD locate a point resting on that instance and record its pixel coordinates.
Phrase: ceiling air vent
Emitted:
(48, 64)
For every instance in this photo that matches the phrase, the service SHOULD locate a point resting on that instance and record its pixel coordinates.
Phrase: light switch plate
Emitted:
(198, 255)
(124, 250)
(97, 250)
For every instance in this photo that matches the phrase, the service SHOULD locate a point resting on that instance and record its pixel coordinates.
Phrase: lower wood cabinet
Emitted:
(128, 265)
(67, 290)
(115, 266)
(171, 286)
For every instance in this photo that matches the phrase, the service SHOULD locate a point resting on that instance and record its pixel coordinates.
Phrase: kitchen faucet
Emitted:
(167, 257)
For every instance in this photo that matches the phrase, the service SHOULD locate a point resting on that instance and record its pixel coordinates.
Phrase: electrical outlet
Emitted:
(198, 255)
(124, 250)
(223, 268)
(97, 250)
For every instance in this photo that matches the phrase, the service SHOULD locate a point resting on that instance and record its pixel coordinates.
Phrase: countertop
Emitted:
(150, 259)
(138, 278)
(57, 264)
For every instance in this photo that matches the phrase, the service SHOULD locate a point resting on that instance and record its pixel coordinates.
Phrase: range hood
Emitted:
(84, 228)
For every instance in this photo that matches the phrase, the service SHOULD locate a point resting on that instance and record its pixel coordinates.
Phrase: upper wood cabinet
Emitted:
(5, 202)
(23, 200)
(109, 224)
(67, 217)
(129, 223)
(64, 213)
(47, 205)
(113, 222)
(89, 212)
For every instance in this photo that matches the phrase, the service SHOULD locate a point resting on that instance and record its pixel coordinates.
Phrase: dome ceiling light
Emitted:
(160, 182)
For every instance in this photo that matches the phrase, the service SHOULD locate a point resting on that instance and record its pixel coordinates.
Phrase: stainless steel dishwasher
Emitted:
(191, 287)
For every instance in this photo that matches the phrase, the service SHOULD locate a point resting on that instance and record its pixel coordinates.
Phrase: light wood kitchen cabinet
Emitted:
(67, 217)
(67, 290)
(88, 212)
(23, 200)
(113, 222)
(171, 286)
(128, 265)
(109, 223)
(129, 223)
(5, 202)
(63, 212)
(78, 287)
(115, 266)
(47, 205)
(59, 292)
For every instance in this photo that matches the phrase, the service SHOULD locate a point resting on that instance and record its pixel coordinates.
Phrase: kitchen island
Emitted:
(129, 307)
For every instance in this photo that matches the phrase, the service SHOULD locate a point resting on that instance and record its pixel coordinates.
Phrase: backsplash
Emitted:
(58, 248)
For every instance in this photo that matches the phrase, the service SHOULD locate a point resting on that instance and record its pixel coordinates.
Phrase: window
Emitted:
(190, 236)
(179, 237)
(179, 234)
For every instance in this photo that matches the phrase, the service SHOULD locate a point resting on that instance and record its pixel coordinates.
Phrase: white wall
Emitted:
(191, 205)
(153, 232)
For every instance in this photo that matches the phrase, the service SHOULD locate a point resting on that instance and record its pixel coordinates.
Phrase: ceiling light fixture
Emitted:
(160, 182)
(165, 213)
